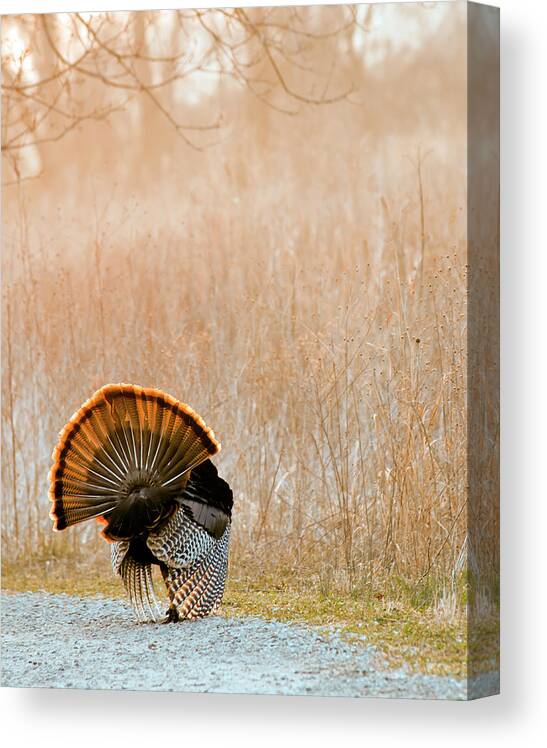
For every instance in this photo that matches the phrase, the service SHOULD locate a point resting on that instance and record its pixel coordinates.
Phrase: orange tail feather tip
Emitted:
(105, 537)
(85, 473)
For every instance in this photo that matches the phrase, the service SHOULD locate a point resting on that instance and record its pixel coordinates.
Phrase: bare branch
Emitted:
(102, 61)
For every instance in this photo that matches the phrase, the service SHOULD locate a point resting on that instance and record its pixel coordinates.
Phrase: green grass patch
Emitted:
(402, 634)
(61, 575)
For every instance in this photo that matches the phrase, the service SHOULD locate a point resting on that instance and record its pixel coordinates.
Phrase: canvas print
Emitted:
(274, 230)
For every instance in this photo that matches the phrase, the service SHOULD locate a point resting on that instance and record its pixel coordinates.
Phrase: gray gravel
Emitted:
(60, 641)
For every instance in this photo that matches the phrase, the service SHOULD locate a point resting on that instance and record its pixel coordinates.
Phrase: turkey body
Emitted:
(138, 461)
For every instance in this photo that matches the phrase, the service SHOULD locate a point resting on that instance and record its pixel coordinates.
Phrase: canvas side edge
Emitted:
(483, 348)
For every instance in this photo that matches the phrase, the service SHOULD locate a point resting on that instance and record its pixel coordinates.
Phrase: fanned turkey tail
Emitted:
(123, 458)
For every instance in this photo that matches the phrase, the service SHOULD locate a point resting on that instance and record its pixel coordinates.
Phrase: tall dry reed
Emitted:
(336, 385)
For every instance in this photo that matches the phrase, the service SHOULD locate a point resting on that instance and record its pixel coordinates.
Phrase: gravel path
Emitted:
(60, 641)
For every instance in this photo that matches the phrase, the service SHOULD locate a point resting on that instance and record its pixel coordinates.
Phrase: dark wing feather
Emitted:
(208, 499)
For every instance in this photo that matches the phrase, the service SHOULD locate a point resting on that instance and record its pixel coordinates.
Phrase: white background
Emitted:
(518, 716)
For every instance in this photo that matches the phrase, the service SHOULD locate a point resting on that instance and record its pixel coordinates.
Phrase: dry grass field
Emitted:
(300, 281)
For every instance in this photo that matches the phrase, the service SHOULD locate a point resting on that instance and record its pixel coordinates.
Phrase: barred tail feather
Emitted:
(139, 585)
(123, 456)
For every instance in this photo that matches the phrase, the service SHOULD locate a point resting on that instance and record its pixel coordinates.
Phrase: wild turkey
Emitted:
(138, 461)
